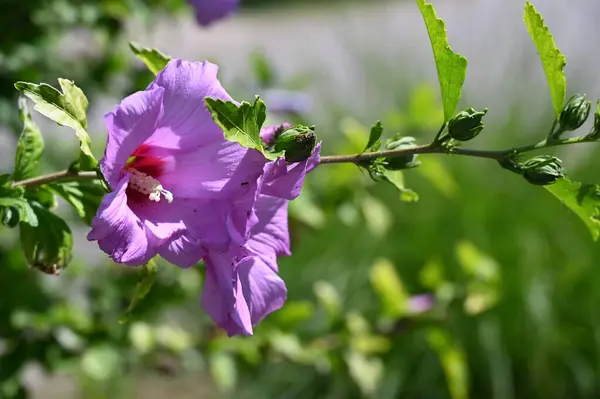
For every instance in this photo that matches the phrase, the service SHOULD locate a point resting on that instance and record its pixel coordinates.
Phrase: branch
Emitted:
(64, 175)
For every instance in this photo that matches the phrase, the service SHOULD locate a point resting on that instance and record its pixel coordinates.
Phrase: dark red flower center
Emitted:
(145, 170)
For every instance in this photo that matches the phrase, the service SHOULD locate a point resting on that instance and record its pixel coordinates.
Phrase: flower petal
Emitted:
(118, 230)
(270, 237)
(186, 122)
(285, 180)
(129, 125)
(209, 11)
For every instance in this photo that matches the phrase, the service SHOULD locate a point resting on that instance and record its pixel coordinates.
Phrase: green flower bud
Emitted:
(574, 113)
(298, 143)
(595, 133)
(466, 125)
(542, 170)
(401, 162)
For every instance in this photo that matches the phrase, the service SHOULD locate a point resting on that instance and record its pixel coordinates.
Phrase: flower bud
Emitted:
(404, 161)
(574, 113)
(595, 132)
(298, 143)
(542, 170)
(466, 125)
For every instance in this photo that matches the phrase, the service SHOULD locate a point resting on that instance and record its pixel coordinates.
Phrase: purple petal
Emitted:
(186, 122)
(270, 237)
(267, 133)
(209, 11)
(129, 125)
(420, 303)
(287, 101)
(285, 180)
(119, 232)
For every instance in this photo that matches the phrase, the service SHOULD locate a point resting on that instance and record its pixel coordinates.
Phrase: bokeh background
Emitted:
(486, 287)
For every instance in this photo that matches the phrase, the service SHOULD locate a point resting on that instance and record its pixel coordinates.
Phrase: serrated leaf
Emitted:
(67, 109)
(84, 196)
(553, 61)
(241, 124)
(581, 198)
(30, 146)
(142, 288)
(47, 246)
(451, 66)
(396, 178)
(374, 135)
(153, 58)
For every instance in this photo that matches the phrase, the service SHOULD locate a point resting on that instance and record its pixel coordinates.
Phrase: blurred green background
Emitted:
(510, 273)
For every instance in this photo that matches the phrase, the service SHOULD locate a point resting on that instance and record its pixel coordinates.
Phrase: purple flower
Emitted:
(179, 186)
(209, 11)
(242, 285)
(420, 303)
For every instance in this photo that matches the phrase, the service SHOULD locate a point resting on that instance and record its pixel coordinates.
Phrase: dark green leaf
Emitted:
(142, 287)
(154, 59)
(241, 124)
(13, 207)
(67, 109)
(451, 66)
(42, 195)
(553, 61)
(581, 198)
(47, 246)
(30, 146)
(84, 196)
(374, 135)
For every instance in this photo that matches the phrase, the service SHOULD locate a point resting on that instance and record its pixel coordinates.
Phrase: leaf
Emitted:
(84, 196)
(581, 198)
(387, 284)
(264, 73)
(14, 208)
(47, 246)
(329, 298)
(142, 288)
(101, 362)
(67, 109)
(453, 361)
(451, 66)
(434, 170)
(223, 370)
(374, 135)
(30, 146)
(241, 124)
(553, 61)
(154, 59)
(396, 178)
(366, 372)
(378, 217)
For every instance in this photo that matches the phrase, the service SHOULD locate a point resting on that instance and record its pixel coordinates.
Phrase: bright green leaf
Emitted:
(294, 313)
(366, 372)
(101, 362)
(453, 361)
(374, 135)
(223, 370)
(451, 66)
(30, 146)
(396, 178)
(581, 198)
(434, 170)
(84, 196)
(329, 298)
(67, 109)
(142, 288)
(553, 61)
(241, 124)
(47, 246)
(387, 284)
(378, 217)
(154, 59)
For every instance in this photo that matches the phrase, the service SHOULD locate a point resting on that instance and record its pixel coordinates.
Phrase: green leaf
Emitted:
(14, 208)
(329, 298)
(223, 370)
(30, 146)
(581, 198)
(396, 178)
(84, 196)
(47, 246)
(366, 372)
(154, 59)
(142, 288)
(67, 109)
(241, 124)
(553, 61)
(42, 195)
(101, 362)
(374, 135)
(453, 360)
(451, 66)
(387, 284)
(265, 75)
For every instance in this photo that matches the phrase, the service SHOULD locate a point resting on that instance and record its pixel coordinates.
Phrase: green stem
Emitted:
(64, 175)
(436, 149)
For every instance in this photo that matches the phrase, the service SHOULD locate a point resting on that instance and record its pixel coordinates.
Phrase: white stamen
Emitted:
(148, 185)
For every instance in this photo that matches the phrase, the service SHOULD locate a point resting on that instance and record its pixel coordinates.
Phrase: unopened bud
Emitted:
(298, 143)
(542, 170)
(595, 133)
(574, 113)
(467, 124)
(403, 161)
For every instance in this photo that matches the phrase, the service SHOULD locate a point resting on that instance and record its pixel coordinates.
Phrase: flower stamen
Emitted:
(148, 185)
